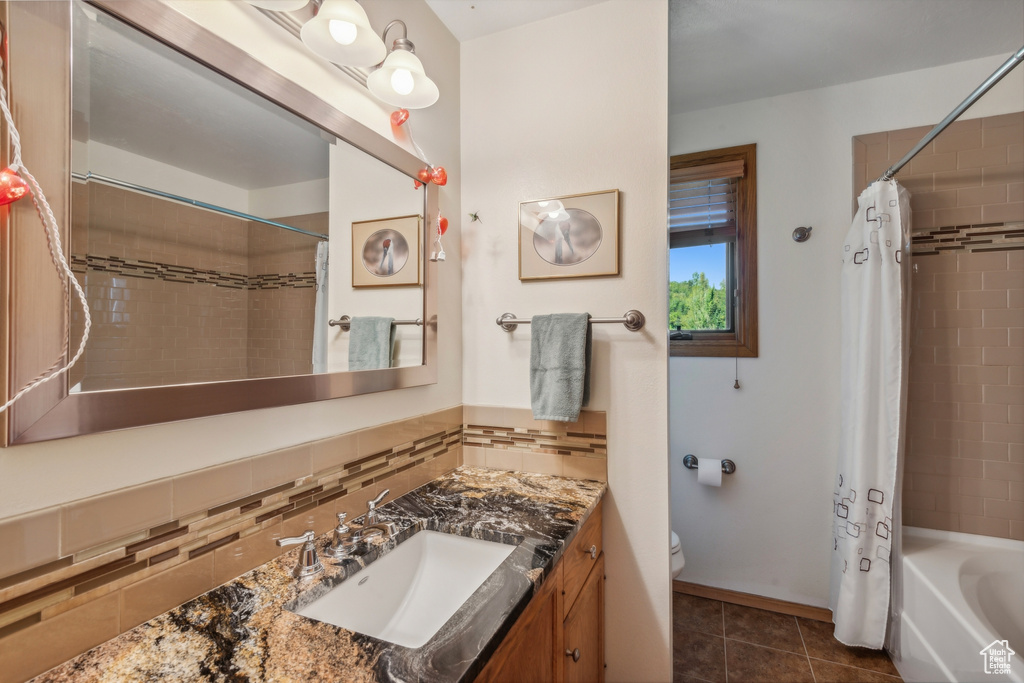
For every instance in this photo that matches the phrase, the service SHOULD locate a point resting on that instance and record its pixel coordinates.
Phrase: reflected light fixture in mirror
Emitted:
(280, 5)
(341, 33)
(401, 80)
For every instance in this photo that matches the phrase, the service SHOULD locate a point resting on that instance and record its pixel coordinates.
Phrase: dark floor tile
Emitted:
(691, 613)
(748, 663)
(680, 678)
(762, 627)
(699, 655)
(830, 672)
(822, 645)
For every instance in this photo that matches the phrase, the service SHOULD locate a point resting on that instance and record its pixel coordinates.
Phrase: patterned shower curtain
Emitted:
(320, 311)
(874, 300)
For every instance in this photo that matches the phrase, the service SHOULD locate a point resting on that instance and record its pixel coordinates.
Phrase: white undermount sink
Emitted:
(407, 595)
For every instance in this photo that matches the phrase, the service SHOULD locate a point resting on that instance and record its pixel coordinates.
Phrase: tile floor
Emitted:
(719, 642)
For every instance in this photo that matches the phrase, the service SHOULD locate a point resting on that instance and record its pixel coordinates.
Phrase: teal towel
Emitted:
(559, 365)
(370, 343)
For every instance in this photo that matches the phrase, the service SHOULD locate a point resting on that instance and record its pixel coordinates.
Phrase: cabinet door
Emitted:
(583, 631)
(529, 653)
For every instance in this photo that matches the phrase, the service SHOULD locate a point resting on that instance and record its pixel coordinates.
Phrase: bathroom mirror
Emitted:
(207, 197)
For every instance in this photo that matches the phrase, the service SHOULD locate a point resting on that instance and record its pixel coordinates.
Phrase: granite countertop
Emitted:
(243, 631)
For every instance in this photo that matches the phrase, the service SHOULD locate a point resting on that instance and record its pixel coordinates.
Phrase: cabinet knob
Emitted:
(575, 654)
(592, 550)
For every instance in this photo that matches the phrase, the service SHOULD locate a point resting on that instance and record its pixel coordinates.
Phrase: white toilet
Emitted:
(677, 556)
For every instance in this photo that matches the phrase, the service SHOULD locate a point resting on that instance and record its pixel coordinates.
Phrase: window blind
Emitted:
(702, 203)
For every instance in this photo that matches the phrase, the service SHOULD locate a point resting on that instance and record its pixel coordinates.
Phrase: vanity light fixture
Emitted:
(341, 33)
(401, 81)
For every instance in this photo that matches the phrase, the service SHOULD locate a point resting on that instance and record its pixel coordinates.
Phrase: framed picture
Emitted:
(386, 252)
(573, 236)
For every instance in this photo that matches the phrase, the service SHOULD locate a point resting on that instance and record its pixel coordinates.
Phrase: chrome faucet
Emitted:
(342, 542)
(309, 564)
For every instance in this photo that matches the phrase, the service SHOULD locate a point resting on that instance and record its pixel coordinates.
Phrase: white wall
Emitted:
(767, 530)
(118, 164)
(294, 199)
(561, 107)
(35, 476)
(370, 191)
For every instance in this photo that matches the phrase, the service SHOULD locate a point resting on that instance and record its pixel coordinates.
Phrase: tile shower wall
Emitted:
(187, 281)
(280, 326)
(76, 575)
(965, 427)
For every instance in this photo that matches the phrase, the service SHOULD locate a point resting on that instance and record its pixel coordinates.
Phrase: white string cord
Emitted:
(56, 254)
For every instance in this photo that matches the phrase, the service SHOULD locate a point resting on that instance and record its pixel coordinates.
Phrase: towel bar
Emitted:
(633, 320)
(345, 322)
(690, 463)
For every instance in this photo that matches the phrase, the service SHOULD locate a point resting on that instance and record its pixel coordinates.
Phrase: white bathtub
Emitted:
(961, 592)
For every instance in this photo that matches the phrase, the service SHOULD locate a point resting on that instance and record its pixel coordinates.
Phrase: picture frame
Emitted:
(386, 252)
(570, 236)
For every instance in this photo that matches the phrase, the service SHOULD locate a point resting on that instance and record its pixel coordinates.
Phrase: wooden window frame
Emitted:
(742, 340)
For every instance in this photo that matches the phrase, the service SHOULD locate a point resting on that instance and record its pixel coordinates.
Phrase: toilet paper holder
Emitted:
(690, 463)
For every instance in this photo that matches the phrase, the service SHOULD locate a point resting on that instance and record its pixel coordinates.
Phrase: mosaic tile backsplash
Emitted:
(101, 566)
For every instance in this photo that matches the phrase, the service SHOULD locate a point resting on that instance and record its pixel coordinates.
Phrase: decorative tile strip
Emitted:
(24, 597)
(536, 441)
(970, 238)
(151, 270)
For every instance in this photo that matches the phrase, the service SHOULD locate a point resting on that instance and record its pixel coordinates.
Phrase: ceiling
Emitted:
(727, 51)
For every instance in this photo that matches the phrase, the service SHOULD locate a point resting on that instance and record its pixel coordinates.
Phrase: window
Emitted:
(712, 231)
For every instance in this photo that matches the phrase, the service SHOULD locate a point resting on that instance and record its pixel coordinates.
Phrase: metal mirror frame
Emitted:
(39, 79)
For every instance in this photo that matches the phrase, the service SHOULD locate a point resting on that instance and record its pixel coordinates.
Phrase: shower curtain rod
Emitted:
(86, 177)
(1006, 68)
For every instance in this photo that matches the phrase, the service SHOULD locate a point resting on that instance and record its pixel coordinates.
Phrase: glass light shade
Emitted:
(399, 69)
(279, 5)
(365, 49)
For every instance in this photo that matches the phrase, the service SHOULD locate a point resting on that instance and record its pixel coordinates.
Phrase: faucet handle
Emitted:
(295, 540)
(309, 562)
(371, 506)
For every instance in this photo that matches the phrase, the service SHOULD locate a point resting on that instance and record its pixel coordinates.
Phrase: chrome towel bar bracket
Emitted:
(345, 322)
(690, 463)
(632, 319)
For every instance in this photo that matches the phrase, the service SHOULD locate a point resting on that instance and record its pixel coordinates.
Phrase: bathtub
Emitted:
(961, 592)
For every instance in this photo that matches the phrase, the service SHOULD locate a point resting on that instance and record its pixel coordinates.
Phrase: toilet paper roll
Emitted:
(709, 472)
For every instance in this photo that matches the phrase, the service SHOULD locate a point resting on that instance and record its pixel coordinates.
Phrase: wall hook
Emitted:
(802, 234)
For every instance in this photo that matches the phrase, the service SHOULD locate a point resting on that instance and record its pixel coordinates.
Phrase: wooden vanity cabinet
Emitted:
(583, 631)
(566, 617)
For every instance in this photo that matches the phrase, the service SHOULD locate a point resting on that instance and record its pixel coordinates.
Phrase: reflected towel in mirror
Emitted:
(371, 343)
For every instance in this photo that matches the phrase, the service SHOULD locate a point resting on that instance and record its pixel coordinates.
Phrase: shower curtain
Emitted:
(320, 311)
(874, 297)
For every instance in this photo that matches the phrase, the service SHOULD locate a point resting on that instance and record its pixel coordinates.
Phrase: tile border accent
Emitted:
(971, 238)
(153, 270)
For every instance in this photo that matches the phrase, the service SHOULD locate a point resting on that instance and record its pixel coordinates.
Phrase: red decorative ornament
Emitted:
(439, 176)
(442, 225)
(12, 187)
(399, 117)
(424, 175)
(417, 184)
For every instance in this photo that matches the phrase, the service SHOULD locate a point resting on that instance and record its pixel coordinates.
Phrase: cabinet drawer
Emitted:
(580, 557)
